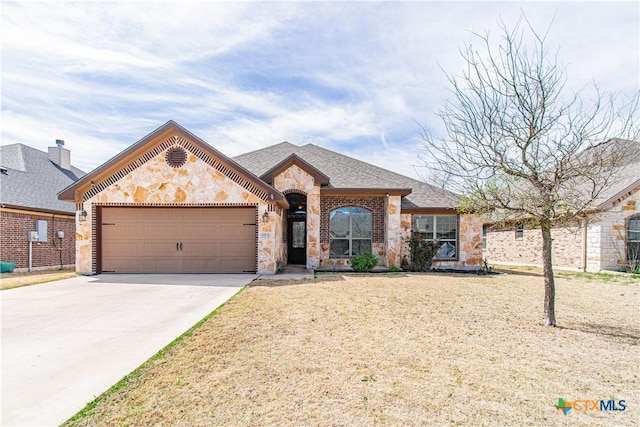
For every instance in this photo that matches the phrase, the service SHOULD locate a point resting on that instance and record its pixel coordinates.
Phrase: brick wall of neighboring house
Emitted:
(605, 241)
(504, 247)
(14, 245)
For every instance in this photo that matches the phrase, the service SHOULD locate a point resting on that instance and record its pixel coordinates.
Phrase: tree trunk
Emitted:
(549, 284)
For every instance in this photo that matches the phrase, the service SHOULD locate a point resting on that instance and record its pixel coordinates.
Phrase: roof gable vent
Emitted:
(176, 157)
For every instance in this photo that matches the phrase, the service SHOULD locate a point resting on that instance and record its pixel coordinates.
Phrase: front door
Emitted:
(297, 241)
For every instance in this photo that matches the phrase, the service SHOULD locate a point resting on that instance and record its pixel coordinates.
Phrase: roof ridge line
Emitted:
(264, 148)
(371, 164)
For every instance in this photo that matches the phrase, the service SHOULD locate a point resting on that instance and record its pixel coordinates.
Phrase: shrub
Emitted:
(422, 252)
(394, 269)
(364, 262)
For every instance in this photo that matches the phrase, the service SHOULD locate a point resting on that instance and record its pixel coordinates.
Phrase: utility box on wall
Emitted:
(41, 229)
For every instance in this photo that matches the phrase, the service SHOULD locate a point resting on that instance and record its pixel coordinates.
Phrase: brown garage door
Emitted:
(178, 240)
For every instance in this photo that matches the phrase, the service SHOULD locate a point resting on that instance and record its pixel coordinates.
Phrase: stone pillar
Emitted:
(470, 240)
(393, 231)
(84, 243)
(313, 227)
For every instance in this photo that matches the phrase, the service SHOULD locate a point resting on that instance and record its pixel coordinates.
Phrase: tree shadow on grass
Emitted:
(626, 334)
(519, 272)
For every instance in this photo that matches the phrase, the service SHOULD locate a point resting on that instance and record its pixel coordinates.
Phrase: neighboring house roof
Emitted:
(347, 173)
(623, 180)
(30, 180)
(626, 176)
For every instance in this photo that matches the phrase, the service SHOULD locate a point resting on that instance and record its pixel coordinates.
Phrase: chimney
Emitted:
(60, 155)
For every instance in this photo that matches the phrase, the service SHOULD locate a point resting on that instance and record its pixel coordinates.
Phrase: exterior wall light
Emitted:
(82, 215)
(265, 216)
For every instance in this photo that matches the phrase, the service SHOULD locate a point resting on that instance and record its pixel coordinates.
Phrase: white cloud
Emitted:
(245, 75)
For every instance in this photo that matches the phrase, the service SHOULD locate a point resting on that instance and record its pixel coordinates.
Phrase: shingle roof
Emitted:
(32, 180)
(623, 180)
(348, 173)
(627, 175)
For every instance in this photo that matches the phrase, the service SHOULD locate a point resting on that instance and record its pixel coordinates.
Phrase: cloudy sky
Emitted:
(355, 77)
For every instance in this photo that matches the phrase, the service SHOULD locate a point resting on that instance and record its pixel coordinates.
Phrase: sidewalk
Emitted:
(290, 272)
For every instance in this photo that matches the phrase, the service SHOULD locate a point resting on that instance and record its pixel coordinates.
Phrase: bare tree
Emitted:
(520, 145)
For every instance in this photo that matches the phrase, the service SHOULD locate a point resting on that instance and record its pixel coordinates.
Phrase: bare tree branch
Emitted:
(520, 145)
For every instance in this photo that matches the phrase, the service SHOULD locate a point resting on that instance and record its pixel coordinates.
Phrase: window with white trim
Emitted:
(350, 231)
(443, 228)
(484, 237)
(519, 230)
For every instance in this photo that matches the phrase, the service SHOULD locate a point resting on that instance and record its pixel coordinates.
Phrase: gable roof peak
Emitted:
(12, 156)
(150, 146)
(293, 159)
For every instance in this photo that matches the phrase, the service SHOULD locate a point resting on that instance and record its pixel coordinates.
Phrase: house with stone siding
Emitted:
(30, 180)
(172, 203)
(607, 238)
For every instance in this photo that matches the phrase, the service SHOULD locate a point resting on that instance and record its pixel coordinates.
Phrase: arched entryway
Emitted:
(297, 228)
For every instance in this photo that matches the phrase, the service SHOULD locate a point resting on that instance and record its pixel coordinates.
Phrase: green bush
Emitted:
(364, 262)
(394, 269)
(422, 252)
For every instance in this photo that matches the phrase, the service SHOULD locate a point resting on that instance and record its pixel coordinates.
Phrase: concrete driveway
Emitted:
(66, 342)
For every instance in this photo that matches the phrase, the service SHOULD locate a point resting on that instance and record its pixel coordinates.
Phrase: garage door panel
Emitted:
(163, 230)
(178, 240)
(233, 232)
(198, 215)
(122, 248)
(200, 232)
(206, 249)
(123, 230)
(166, 215)
(159, 248)
(202, 265)
(161, 265)
(236, 248)
(230, 265)
(121, 264)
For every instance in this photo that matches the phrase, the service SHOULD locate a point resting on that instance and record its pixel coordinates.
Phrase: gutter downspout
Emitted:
(30, 253)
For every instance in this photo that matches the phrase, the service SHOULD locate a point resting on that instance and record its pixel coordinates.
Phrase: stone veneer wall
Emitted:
(470, 240)
(406, 226)
(376, 204)
(155, 183)
(393, 231)
(607, 233)
(503, 246)
(295, 179)
(270, 245)
(605, 245)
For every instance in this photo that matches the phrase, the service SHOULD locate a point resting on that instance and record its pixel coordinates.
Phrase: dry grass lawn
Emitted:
(16, 280)
(406, 349)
